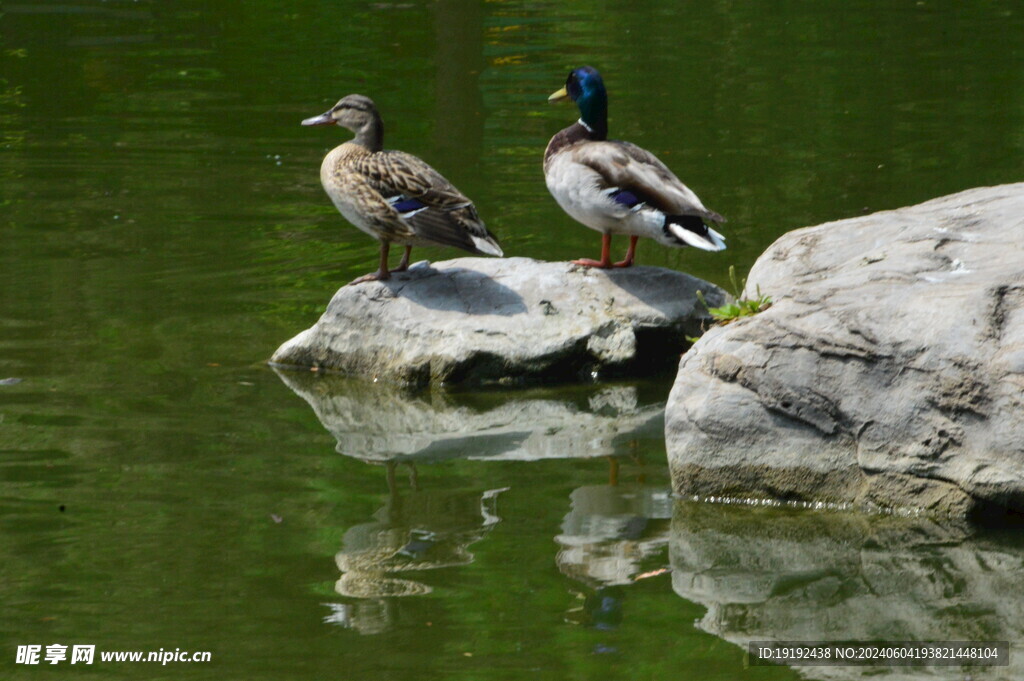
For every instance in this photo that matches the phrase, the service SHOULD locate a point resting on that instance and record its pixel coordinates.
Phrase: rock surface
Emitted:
(889, 371)
(483, 320)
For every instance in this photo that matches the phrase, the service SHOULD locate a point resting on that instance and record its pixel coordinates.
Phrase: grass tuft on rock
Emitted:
(740, 307)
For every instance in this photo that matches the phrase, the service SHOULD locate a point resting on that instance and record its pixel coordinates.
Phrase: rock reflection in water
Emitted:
(375, 422)
(606, 537)
(603, 540)
(774, 574)
(415, 531)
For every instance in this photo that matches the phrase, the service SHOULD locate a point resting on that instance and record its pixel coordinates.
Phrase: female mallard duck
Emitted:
(394, 196)
(617, 187)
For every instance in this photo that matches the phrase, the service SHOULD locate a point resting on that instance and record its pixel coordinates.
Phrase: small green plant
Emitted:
(741, 307)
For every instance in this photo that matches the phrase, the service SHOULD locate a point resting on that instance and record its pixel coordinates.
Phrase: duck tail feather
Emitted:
(691, 230)
(487, 245)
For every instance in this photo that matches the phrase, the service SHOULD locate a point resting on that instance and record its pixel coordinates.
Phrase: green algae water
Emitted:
(163, 230)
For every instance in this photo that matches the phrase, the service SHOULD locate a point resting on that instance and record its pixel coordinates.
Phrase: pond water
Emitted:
(164, 230)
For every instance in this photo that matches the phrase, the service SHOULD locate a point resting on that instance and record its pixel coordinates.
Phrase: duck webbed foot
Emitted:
(587, 262)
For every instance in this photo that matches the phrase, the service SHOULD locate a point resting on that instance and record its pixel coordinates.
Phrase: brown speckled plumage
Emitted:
(394, 196)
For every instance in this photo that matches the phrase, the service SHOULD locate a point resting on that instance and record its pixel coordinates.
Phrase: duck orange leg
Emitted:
(606, 255)
(382, 273)
(630, 253)
(404, 265)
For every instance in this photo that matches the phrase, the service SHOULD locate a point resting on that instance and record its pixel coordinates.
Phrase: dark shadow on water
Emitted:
(997, 518)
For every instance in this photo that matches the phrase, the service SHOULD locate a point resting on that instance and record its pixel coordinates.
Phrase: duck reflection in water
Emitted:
(611, 532)
(413, 532)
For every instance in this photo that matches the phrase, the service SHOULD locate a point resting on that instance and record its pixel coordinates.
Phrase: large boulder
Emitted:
(484, 320)
(889, 371)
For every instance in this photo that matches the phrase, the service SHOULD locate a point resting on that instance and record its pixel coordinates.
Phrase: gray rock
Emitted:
(889, 371)
(483, 320)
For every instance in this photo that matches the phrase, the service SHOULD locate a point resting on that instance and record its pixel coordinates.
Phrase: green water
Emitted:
(163, 231)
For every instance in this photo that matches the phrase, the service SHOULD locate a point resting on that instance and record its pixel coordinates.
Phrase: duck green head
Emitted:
(585, 87)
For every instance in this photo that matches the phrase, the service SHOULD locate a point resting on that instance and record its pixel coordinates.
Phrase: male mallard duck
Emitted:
(394, 196)
(617, 187)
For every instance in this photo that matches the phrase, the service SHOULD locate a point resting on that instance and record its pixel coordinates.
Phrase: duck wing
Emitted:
(630, 168)
(426, 201)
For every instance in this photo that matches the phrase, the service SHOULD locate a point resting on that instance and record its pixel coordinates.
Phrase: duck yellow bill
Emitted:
(558, 96)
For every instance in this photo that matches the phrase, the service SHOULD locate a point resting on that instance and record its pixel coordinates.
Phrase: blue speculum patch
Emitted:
(407, 205)
(626, 198)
